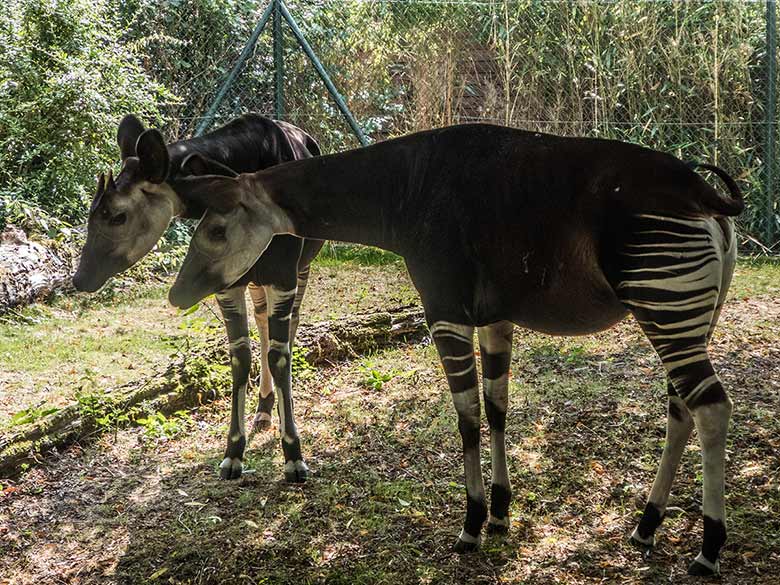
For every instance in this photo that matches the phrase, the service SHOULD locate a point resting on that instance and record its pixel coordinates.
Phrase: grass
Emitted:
(386, 498)
(48, 353)
(337, 254)
(757, 275)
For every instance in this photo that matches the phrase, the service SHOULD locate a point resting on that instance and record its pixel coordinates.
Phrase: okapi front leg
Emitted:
(280, 302)
(456, 349)
(265, 402)
(495, 343)
(233, 306)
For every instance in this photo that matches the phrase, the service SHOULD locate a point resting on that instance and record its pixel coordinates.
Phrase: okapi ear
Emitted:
(197, 164)
(153, 159)
(130, 128)
(211, 191)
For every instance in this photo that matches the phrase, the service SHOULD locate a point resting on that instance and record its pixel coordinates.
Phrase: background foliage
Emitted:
(689, 78)
(65, 78)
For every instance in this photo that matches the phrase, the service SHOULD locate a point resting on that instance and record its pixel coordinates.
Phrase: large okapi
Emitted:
(129, 215)
(499, 227)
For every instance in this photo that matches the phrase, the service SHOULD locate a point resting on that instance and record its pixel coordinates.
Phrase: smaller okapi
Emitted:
(129, 215)
(499, 227)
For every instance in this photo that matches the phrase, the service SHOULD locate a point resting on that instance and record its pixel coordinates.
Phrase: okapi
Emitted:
(499, 227)
(129, 215)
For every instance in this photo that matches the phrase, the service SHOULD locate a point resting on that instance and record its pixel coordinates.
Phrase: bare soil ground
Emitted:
(386, 497)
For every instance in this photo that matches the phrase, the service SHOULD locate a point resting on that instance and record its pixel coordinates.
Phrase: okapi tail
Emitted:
(713, 201)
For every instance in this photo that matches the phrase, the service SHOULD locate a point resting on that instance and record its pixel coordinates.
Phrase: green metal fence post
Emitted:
(248, 48)
(771, 119)
(278, 62)
(323, 74)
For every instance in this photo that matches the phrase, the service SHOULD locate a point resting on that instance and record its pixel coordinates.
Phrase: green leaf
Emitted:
(191, 310)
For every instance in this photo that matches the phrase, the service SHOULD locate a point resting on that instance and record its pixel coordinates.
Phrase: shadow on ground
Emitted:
(385, 500)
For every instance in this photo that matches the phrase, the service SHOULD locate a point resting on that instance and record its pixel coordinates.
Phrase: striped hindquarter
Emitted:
(674, 275)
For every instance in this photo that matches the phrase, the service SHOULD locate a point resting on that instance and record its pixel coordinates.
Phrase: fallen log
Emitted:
(29, 271)
(192, 379)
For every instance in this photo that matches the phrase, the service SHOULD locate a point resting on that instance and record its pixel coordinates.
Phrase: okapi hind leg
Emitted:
(232, 303)
(495, 344)
(674, 280)
(265, 402)
(280, 302)
(455, 345)
(679, 425)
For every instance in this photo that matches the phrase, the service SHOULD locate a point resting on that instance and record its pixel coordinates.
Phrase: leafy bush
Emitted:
(65, 81)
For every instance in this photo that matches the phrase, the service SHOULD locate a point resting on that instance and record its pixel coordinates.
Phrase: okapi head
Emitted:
(129, 214)
(239, 224)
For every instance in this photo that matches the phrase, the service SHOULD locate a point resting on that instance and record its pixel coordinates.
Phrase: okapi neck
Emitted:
(360, 196)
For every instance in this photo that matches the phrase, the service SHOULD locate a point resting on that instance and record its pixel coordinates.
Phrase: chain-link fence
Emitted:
(691, 78)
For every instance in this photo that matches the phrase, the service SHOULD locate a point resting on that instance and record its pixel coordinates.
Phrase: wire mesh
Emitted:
(690, 78)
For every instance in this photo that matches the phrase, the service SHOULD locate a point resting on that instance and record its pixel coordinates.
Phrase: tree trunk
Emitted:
(191, 381)
(28, 270)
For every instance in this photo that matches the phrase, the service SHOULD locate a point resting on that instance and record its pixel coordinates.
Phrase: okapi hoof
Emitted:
(498, 526)
(497, 529)
(462, 546)
(295, 472)
(230, 468)
(644, 544)
(701, 567)
(261, 422)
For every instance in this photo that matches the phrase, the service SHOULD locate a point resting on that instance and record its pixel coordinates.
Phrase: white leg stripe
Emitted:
(276, 298)
(239, 342)
(700, 388)
(464, 371)
(459, 358)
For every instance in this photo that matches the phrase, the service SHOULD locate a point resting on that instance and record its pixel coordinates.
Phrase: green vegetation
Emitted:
(30, 415)
(158, 425)
(757, 275)
(65, 79)
(374, 378)
(688, 78)
(335, 253)
(301, 368)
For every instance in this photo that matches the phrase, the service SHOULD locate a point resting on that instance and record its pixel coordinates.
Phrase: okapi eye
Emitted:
(118, 219)
(217, 232)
